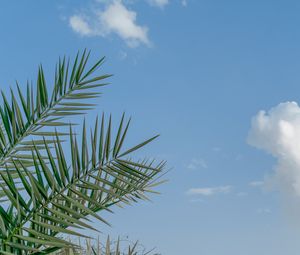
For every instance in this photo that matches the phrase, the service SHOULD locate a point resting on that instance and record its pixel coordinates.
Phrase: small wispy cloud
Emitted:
(197, 163)
(115, 19)
(216, 149)
(197, 200)
(159, 3)
(242, 194)
(123, 55)
(239, 157)
(210, 191)
(263, 211)
(256, 183)
(184, 3)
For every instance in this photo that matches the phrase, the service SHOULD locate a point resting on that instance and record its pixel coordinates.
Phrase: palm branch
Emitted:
(62, 194)
(119, 247)
(23, 119)
(51, 190)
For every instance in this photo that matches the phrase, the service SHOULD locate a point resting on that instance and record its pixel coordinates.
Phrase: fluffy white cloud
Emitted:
(118, 19)
(278, 133)
(80, 26)
(159, 3)
(210, 190)
(115, 19)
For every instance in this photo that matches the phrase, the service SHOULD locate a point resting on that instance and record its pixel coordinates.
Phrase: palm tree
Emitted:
(54, 180)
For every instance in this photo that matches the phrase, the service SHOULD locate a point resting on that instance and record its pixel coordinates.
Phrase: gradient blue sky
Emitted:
(197, 77)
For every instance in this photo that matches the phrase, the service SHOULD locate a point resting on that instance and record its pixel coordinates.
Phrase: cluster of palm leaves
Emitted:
(119, 247)
(54, 181)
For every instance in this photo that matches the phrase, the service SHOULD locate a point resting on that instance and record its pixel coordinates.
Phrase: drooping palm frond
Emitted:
(57, 195)
(31, 115)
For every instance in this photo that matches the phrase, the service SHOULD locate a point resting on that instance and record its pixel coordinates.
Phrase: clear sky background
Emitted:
(197, 72)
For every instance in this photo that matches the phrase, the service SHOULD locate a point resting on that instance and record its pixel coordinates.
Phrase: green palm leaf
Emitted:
(56, 196)
(119, 247)
(36, 113)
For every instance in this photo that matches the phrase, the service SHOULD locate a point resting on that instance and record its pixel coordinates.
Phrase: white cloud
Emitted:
(80, 26)
(209, 191)
(159, 3)
(278, 133)
(197, 163)
(115, 19)
(256, 183)
(118, 19)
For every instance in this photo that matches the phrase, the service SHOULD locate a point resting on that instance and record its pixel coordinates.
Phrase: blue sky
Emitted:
(196, 72)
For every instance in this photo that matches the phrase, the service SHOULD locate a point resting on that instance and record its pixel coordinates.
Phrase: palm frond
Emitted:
(27, 117)
(56, 196)
(110, 247)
